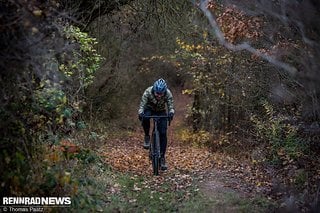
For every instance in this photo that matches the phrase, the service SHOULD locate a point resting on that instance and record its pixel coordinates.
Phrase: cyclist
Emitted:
(153, 102)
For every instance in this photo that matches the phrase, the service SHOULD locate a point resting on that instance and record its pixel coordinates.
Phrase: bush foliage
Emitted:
(44, 74)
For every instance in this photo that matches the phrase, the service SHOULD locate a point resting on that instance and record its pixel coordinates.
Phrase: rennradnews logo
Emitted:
(33, 204)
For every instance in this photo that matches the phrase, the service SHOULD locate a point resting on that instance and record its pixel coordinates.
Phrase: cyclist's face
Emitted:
(158, 95)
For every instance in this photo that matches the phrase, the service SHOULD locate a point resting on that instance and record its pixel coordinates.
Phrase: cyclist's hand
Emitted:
(140, 116)
(171, 114)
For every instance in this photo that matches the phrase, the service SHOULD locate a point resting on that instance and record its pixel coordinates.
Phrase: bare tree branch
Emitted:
(243, 46)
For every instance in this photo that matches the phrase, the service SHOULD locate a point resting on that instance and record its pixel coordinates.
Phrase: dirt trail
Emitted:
(187, 165)
(127, 154)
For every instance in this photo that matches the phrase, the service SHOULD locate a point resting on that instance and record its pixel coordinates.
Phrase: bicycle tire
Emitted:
(151, 147)
(155, 165)
(156, 153)
(152, 153)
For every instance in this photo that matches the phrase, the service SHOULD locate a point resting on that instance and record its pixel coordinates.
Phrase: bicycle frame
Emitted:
(154, 150)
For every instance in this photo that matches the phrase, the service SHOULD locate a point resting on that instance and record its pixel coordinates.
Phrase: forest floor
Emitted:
(197, 179)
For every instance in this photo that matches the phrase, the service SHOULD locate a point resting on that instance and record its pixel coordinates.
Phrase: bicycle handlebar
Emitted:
(159, 116)
(156, 116)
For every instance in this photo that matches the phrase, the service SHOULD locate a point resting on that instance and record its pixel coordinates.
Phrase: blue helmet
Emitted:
(160, 86)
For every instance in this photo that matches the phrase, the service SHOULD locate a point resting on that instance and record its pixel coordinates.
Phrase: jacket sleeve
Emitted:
(170, 101)
(143, 102)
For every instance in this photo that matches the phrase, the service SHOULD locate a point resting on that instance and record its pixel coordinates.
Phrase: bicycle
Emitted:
(154, 150)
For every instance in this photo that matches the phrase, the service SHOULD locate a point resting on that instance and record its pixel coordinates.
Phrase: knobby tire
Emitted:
(155, 154)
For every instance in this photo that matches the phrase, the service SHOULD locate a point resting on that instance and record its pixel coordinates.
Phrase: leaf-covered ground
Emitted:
(127, 155)
(225, 183)
(222, 179)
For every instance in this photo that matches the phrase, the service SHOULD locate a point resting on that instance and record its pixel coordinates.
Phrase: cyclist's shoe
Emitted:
(146, 144)
(163, 165)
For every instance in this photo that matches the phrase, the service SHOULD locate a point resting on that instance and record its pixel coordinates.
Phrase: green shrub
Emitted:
(42, 95)
(283, 141)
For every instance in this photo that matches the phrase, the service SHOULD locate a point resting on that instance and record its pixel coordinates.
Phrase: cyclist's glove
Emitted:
(171, 114)
(140, 116)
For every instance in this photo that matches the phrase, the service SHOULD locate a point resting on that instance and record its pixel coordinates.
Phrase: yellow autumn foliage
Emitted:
(199, 138)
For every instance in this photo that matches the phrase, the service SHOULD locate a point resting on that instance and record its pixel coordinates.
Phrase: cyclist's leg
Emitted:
(163, 142)
(146, 128)
(146, 122)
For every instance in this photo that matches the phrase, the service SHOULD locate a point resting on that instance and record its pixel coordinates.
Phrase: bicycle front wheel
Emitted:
(156, 153)
(155, 165)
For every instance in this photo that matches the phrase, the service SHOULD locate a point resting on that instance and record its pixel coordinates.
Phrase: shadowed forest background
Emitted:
(72, 74)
